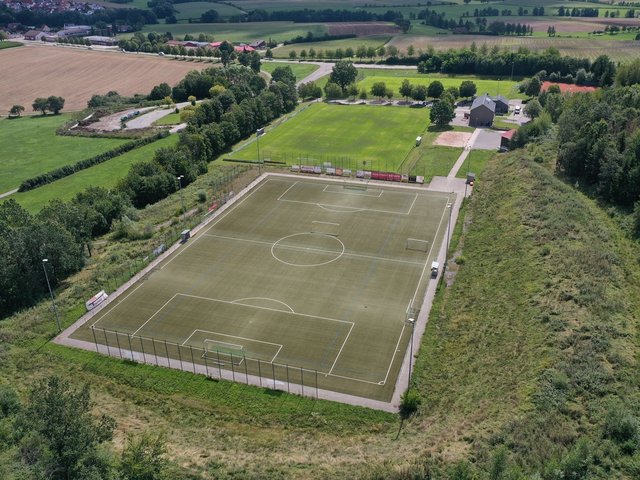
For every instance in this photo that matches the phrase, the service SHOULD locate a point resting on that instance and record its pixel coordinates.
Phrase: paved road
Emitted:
(10, 192)
(146, 120)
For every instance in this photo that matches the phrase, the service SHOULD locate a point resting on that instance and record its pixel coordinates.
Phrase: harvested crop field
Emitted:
(74, 74)
(618, 50)
(452, 139)
(365, 28)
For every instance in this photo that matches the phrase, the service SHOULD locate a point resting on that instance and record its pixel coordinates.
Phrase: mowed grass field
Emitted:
(300, 70)
(29, 146)
(393, 79)
(105, 175)
(374, 41)
(240, 32)
(76, 75)
(347, 135)
(298, 272)
(475, 163)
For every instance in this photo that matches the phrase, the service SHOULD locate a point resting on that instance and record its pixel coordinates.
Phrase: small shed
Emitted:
(483, 111)
(502, 104)
(505, 139)
(34, 35)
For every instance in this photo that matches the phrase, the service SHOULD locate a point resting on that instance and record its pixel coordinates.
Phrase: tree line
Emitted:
(480, 25)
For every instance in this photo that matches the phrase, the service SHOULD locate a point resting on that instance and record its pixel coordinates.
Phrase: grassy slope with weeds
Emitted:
(528, 364)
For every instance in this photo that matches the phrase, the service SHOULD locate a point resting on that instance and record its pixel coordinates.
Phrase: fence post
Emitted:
(106, 340)
(246, 373)
(287, 368)
(316, 384)
(144, 356)
(155, 354)
(206, 364)
(192, 360)
(219, 365)
(130, 347)
(273, 369)
(166, 351)
(233, 371)
(179, 356)
(95, 340)
(259, 373)
(118, 343)
(302, 380)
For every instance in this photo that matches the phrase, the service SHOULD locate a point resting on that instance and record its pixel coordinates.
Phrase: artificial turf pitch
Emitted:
(300, 272)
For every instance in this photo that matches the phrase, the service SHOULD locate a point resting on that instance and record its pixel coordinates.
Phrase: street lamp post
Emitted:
(412, 321)
(450, 207)
(258, 143)
(53, 302)
(181, 197)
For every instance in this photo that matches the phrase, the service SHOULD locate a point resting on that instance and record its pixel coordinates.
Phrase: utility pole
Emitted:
(182, 198)
(53, 302)
(412, 321)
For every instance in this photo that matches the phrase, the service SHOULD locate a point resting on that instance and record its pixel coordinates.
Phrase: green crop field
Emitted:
(374, 41)
(299, 277)
(346, 135)
(271, 5)
(106, 175)
(300, 70)
(195, 9)
(9, 44)
(393, 79)
(29, 146)
(240, 32)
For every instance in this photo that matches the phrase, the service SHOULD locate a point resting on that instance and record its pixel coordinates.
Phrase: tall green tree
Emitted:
(467, 89)
(435, 89)
(58, 421)
(343, 74)
(379, 89)
(144, 458)
(283, 74)
(442, 113)
(405, 89)
(227, 53)
(40, 105)
(55, 104)
(16, 110)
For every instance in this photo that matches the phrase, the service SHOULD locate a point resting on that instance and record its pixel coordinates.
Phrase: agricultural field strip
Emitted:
(329, 373)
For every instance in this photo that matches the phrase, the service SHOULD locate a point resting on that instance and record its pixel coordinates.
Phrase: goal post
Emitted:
(361, 186)
(325, 228)
(417, 244)
(223, 352)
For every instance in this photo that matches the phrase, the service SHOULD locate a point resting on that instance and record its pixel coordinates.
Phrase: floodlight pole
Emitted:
(412, 321)
(55, 308)
(450, 207)
(181, 197)
(258, 143)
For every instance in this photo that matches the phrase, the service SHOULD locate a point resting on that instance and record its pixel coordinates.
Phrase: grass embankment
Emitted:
(475, 163)
(29, 146)
(105, 175)
(171, 119)
(533, 350)
(300, 70)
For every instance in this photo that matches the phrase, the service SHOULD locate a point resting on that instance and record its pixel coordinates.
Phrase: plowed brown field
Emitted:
(40, 71)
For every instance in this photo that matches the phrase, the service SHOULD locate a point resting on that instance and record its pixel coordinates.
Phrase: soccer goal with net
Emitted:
(223, 353)
(361, 186)
(417, 244)
(325, 228)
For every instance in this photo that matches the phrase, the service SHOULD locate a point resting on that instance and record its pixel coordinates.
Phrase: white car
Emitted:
(516, 110)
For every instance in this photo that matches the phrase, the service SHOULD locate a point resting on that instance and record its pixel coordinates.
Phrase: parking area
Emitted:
(487, 140)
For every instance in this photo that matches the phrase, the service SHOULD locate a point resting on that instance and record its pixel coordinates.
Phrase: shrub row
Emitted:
(67, 170)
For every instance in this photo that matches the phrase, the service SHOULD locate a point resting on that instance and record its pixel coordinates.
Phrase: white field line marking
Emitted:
(233, 207)
(293, 247)
(352, 193)
(325, 223)
(287, 190)
(353, 209)
(413, 299)
(340, 351)
(235, 345)
(412, 204)
(239, 302)
(323, 205)
(265, 308)
(151, 317)
(393, 357)
(115, 305)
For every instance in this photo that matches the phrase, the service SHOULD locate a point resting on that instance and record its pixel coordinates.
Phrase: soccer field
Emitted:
(300, 280)
(345, 135)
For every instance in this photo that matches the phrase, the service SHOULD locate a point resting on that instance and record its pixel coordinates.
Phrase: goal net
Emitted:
(417, 244)
(325, 228)
(223, 353)
(359, 186)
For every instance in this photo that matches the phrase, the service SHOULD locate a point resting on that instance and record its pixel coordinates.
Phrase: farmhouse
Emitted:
(502, 104)
(34, 35)
(483, 110)
(244, 49)
(258, 44)
(74, 31)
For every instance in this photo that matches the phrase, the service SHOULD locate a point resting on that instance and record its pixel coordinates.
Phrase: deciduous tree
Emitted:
(343, 74)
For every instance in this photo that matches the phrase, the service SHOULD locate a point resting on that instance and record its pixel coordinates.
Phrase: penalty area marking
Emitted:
(240, 300)
(380, 192)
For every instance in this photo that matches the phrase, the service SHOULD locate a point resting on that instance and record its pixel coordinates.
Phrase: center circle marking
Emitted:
(338, 254)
